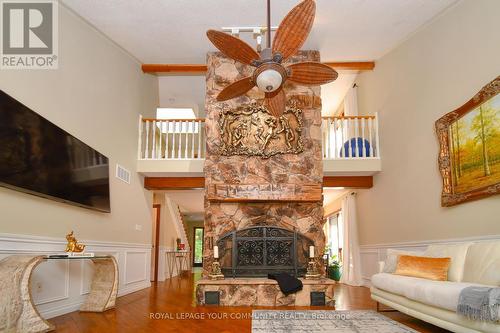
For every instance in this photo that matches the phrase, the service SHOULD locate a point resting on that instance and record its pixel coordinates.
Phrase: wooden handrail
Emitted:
(203, 119)
(176, 120)
(348, 117)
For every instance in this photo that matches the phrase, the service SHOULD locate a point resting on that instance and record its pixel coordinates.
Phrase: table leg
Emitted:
(104, 286)
(19, 313)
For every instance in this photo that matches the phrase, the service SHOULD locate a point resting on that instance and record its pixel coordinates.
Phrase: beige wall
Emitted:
(96, 95)
(168, 231)
(435, 71)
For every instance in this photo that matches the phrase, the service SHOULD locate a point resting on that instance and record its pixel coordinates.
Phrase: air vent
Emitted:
(122, 174)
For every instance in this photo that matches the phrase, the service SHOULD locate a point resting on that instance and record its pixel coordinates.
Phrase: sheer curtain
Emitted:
(351, 266)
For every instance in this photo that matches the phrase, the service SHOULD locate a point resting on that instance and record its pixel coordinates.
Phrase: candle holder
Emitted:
(312, 270)
(216, 273)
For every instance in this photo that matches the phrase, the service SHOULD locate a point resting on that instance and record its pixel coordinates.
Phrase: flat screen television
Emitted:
(39, 158)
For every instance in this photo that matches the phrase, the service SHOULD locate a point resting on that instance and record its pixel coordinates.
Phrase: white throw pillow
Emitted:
(457, 253)
(392, 258)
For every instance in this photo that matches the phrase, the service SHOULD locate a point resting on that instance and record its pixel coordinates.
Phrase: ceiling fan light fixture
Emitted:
(269, 80)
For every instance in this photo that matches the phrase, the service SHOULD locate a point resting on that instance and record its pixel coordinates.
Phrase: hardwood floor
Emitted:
(172, 306)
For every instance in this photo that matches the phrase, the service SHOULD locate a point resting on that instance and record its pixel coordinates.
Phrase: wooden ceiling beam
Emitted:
(174, 183)
(348, 181)
(200, 69)
(183, 183)
(352, 65)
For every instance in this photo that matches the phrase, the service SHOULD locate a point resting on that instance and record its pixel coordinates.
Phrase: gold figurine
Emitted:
(73, 245)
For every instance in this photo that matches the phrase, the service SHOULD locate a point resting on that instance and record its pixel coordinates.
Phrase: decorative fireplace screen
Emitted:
(261, 250)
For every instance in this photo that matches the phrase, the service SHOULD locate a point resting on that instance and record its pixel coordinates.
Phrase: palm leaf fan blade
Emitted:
(276, 102)
(294, 29)
(236, 89)
(233, 47)
(311, 73)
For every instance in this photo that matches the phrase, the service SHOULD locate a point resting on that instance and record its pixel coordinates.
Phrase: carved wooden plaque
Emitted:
(253, 131)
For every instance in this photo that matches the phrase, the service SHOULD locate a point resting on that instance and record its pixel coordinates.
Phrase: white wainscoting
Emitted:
(163, 272)
(60, 286)
(372, 254)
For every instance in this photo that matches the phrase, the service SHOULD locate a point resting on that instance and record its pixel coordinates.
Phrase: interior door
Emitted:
(155, 251)
(198, 246)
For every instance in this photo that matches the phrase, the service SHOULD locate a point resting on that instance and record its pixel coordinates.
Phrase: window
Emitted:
(335, 235)
(176, 114)
(198, 247)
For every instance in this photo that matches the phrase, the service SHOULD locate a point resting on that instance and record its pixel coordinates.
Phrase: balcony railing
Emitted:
(350, 137)
(161, 139)
(184, 139)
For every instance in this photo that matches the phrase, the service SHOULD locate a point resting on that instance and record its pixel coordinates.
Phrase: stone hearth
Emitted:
(263, 292)
(279, 191)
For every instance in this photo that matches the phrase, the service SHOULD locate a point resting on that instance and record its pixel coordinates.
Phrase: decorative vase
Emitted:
(335, 273)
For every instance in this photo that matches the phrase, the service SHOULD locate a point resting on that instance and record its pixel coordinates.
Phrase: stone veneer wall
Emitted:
(263, 292)
(303, 171)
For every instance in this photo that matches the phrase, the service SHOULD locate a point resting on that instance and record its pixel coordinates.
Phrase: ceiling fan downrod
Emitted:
(268, 41)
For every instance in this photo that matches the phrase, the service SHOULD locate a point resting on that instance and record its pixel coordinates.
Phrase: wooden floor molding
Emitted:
(170, 307)
(183, 183)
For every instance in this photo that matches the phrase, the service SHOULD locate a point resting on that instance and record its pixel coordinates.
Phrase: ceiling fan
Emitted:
(270, 74)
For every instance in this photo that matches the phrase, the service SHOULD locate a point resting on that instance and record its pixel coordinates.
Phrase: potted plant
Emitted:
(334, 269)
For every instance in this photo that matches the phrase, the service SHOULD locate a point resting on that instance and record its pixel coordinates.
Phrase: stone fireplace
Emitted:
(260, 250)
(262, 211)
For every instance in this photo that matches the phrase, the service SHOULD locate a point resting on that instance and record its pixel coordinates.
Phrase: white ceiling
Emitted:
(189, 201)
(330, 194)
(173, 31)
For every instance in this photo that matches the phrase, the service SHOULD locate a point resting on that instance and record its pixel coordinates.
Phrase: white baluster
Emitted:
(153, 149)
(173, 138)
(378, 153)
(192, 138)
(179, 144)
(328, 139)
(187, 140)
(370, 141)
(363, 148)
(323, 131)
(167, 125)
(160, 127)
(356, 135)
(335, 155)
(199, 139)
(342, 139)
(348, 134)
(147, 140)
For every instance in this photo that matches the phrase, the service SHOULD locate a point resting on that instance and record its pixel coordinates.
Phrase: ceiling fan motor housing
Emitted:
(269, 76)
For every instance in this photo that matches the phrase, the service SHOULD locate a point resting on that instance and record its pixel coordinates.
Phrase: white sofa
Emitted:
(436, 301)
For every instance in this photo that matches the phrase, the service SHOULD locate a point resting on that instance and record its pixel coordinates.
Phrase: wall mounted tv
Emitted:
(39, 158)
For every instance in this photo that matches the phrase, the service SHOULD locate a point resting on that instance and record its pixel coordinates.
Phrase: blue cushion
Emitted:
(356, 142)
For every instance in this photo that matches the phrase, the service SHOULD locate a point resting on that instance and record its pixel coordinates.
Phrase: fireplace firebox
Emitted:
(260, 250)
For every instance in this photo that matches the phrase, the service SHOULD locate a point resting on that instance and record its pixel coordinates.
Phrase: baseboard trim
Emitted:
(484, 238)
(32, 239)
(372, 253)
(50, 303)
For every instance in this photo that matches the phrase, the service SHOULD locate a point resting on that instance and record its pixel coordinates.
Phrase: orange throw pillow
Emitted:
(423, 267)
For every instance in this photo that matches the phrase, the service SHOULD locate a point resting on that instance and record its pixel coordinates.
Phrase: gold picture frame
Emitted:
(469, 153)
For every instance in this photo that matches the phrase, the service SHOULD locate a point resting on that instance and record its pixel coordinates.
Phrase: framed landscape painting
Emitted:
(469, 155)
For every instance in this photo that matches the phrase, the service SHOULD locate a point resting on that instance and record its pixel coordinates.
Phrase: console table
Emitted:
(177, 259)
(17, 310)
